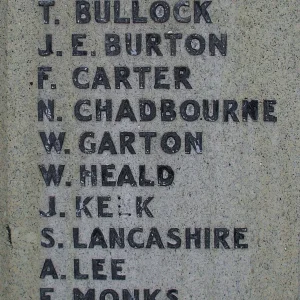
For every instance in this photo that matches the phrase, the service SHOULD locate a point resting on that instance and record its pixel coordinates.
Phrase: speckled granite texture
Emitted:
(246, 177)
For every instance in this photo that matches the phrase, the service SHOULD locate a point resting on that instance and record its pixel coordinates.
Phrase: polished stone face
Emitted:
(149, 150)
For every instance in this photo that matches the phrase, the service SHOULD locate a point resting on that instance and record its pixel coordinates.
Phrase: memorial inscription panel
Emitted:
(150, 150)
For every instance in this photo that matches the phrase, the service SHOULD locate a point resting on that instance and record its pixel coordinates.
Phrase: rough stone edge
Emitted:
(5, 235)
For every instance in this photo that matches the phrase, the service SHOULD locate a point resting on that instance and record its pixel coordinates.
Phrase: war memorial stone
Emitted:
(149, 150)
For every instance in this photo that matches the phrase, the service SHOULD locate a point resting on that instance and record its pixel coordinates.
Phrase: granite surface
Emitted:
(247, 175)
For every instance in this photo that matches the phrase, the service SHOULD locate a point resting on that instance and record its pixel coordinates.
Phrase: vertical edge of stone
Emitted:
(5, 234)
